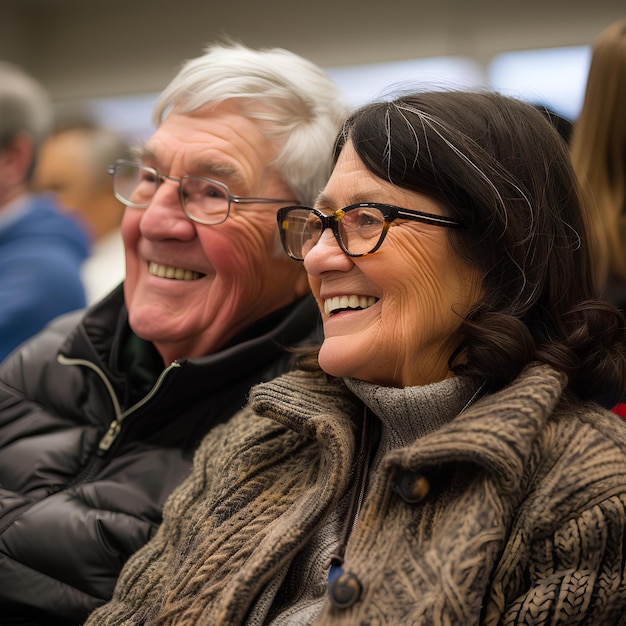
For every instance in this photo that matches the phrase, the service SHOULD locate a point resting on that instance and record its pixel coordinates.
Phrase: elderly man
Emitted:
(101, 413)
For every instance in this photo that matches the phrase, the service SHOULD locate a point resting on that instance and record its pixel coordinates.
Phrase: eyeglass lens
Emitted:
(359, 229)
(203, 200)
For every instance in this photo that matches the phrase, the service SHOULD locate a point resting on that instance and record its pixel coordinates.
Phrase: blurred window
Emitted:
(362, 83)
(554, 77)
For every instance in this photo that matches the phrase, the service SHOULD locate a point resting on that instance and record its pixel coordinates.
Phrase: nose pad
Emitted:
(327, 239)
(334, 238)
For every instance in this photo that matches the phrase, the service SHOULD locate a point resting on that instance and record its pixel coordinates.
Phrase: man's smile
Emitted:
(175, 273)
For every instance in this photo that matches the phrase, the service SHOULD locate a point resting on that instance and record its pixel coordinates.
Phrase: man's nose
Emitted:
(164, 217)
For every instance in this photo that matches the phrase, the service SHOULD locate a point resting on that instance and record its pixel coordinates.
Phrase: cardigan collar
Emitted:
(497, 432)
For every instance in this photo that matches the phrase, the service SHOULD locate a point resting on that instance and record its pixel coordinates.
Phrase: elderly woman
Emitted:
(446, 465)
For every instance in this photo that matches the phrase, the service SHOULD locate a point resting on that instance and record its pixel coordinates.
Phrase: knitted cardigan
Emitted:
(524, 522)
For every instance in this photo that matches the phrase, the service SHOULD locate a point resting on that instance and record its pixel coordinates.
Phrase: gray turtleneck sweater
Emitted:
(404, 415)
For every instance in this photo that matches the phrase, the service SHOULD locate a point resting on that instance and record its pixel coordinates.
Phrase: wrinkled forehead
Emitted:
(199, 165)
(216, 142)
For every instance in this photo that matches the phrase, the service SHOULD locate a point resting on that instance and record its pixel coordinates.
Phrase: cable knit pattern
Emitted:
(524, 522)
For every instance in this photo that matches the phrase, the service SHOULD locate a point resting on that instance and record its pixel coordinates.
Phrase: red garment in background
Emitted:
(620, 409)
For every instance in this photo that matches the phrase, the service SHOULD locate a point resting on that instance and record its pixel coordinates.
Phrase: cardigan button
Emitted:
(345, 590)
(412, 487)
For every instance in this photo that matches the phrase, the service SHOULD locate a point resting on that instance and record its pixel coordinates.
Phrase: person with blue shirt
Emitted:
(41, 250)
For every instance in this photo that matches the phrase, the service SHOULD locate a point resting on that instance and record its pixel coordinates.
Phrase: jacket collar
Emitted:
(93, 340)
(498, 432)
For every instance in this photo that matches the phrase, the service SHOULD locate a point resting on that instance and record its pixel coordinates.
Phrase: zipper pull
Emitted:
(111, 435)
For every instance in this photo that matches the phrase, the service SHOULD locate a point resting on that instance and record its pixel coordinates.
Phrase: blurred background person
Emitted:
(598, 151)
(41, 251)
(73, 163)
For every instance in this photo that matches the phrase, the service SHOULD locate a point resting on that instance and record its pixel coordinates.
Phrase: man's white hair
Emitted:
(297, 105)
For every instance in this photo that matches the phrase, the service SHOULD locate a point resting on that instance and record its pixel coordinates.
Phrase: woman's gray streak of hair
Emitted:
(433, 123)
(388, 145)
(441, 130)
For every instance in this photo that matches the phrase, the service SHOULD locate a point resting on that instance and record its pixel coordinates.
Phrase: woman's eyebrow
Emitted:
(325, 200)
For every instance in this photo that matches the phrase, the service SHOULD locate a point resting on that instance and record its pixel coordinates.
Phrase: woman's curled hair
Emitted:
(497, 165)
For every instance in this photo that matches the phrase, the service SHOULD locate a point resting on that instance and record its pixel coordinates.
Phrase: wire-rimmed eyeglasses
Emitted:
(203, 200)
(359, 229)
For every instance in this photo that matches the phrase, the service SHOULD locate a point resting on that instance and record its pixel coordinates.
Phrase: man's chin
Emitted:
(153, 323)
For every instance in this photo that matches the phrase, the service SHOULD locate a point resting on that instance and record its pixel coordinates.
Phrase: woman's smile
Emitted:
(337, 304)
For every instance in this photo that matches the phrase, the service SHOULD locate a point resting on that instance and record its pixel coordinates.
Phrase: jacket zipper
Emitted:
(115, 427)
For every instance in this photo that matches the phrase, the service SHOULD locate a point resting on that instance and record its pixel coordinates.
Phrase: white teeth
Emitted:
(168, 271)
(348, 302)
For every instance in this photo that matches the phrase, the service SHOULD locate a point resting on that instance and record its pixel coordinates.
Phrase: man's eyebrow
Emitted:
(143, 153)
(221, 170)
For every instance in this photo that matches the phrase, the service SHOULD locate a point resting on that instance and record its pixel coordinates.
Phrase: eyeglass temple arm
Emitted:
(429, 218)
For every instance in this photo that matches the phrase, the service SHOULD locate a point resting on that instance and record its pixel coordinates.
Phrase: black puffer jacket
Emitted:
(86, 464)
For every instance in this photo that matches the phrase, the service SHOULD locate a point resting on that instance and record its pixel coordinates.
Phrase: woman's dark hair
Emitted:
(497, 165)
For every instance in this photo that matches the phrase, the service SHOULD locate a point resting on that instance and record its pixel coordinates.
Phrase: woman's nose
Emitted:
(327, 255)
